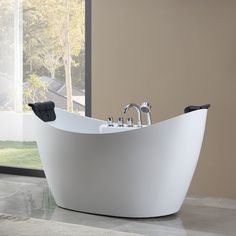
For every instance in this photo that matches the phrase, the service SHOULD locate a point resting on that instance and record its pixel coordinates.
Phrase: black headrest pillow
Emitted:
(44, 110)
(194, 108)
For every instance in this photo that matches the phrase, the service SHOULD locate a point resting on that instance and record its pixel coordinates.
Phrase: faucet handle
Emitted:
(110, 121)
(130, 122)
(120, 122)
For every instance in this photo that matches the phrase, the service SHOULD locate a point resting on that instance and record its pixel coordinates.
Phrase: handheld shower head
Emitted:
(146, 108)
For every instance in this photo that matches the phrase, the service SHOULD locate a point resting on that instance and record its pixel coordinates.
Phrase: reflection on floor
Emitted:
(30, 197)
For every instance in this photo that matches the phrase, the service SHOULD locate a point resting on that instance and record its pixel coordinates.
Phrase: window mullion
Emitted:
(18, 57)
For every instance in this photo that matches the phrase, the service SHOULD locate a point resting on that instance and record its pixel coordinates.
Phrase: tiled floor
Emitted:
(27, 196)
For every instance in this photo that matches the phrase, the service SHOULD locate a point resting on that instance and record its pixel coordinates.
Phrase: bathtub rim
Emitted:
(155, 125)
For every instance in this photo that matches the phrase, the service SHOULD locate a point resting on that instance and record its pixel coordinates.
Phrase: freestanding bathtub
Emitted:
(145, 172)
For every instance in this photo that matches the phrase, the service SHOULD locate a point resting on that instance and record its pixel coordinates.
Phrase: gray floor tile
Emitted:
(31, 197)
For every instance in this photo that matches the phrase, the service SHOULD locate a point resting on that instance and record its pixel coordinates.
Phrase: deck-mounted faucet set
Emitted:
(144, 108)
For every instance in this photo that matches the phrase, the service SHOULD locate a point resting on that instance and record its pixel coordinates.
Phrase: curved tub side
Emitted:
(145, 173)
(76, 123)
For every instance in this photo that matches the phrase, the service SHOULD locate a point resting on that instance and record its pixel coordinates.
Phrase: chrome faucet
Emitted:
(138, 111)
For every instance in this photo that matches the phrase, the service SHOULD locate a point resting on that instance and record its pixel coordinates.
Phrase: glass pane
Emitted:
(42, 57)
(8, 51)
(19, 154)
(54, 55)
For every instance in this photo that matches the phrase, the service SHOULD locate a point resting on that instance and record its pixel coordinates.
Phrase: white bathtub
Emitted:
(140, 173)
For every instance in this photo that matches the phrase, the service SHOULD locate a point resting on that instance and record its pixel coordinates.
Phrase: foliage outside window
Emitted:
(52, 51)
(54, 42)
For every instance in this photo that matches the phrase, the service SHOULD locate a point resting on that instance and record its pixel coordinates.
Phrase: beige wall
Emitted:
(172, 53)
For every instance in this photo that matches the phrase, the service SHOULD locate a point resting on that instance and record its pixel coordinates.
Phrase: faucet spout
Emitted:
(137, 108)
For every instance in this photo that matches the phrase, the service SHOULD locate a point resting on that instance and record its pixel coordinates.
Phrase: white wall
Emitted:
(17, 126)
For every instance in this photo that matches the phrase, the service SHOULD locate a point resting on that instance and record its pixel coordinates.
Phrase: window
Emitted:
(43, 57)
